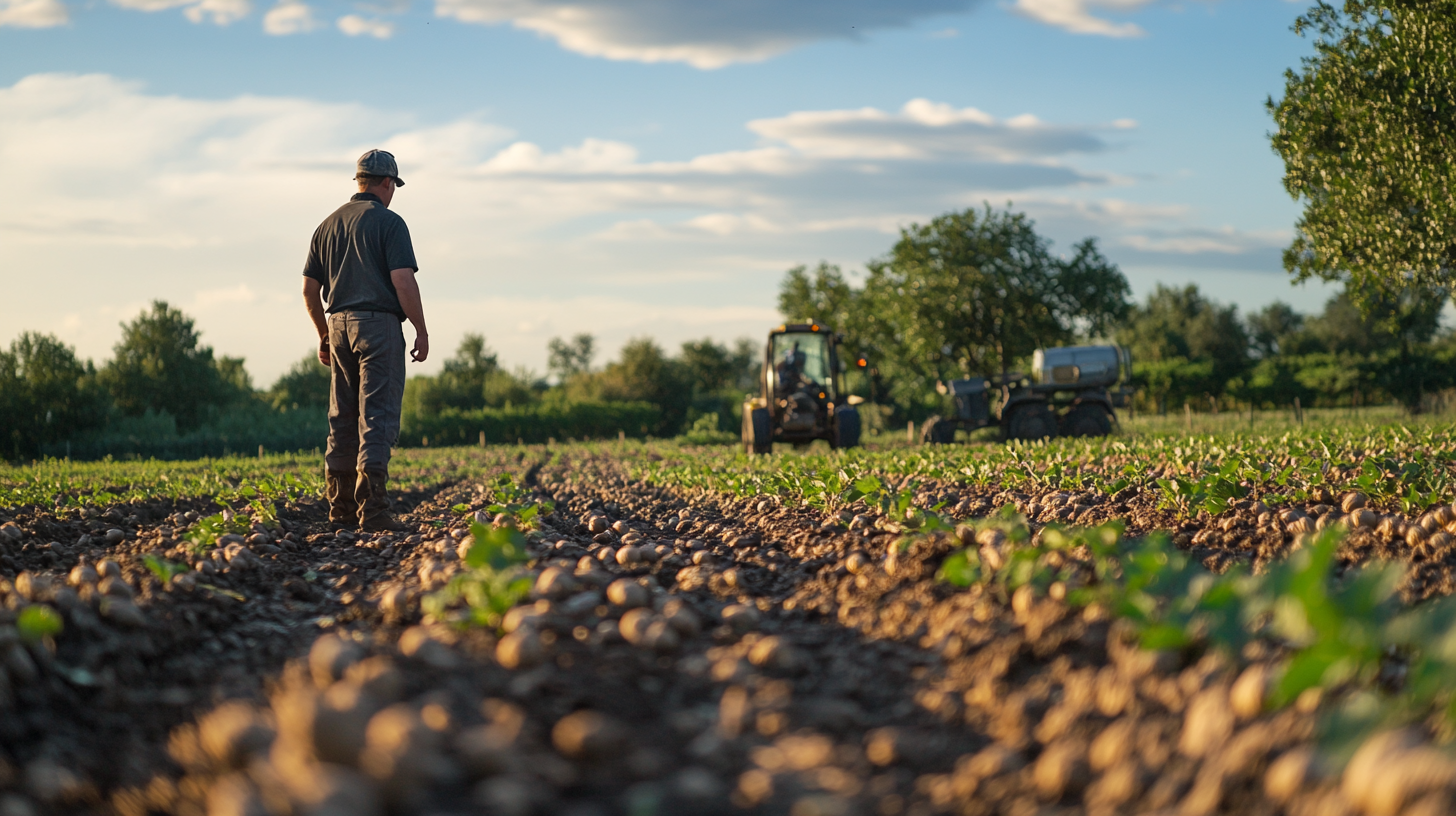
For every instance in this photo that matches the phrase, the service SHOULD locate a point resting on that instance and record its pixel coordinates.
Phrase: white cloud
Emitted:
(355, 26)
(922, 130)
(33, 13)
(1076, 15)
(214, 206)
(220, 12)
(289, 17)
(703, 34)
(1222, 241)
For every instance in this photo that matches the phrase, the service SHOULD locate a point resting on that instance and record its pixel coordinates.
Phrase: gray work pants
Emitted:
(367, 351)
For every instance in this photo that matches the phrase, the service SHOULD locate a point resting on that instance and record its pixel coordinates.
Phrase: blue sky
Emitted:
(623, 167)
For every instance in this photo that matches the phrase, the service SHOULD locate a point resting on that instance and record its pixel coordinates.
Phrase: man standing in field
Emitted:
(362, 265)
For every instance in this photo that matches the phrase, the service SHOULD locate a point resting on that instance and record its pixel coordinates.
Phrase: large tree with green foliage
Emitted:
(1367, 131)
(975, 292)
(160, 366)
(822, 294)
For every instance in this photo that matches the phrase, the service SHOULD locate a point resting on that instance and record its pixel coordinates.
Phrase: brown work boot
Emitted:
(339, 487)
(374, 513)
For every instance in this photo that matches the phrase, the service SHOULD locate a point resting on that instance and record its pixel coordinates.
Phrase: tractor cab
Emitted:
(801, 392)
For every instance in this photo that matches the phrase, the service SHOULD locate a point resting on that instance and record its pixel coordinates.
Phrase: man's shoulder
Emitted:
(349, 210)
(385, 215)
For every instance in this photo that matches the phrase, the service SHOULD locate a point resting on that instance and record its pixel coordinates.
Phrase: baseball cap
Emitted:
(379, 163)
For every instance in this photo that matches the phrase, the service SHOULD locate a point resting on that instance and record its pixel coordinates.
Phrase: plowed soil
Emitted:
(744, 657)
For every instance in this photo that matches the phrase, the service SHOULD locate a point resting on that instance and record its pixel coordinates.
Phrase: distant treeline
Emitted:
(972, 293)
(165, 395)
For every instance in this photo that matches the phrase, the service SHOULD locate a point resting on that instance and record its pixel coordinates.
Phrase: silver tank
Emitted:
(1076, 366)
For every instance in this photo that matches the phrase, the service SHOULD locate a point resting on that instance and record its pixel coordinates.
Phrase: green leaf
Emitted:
(38, 622)
(1163, 636)
(961, 568)
(1305, 670)
(164, 570)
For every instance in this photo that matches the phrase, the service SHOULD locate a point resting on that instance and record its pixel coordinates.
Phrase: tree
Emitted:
(565, 360)
(1367, 132)
(1184, 345)
(1271, 328)
(707, 366)
(235, 379)
(747, 361)
(159, 366)
(463, 382)
(304, 386)
(46, 394)
(504, 388)
(643, 372)
(1183, 323)
(972, 293)
(822, 295)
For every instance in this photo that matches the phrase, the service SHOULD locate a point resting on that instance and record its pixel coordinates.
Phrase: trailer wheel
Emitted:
(937, 431)
(757, 430)
(1086, 420)
(1031, 420)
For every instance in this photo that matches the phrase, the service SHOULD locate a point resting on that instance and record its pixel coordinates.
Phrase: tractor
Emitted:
(1069, 393)
(801, 392)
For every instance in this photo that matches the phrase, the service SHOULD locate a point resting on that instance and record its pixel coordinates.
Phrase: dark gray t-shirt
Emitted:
(352, 253)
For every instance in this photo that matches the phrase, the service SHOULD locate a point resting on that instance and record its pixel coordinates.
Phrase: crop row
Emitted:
(1398, 468)
(64, 484)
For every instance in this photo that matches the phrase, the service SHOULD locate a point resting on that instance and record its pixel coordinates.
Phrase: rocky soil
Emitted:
(681, 653)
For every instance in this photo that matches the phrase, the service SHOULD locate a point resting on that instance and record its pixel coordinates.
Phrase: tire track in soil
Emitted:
(773, 663)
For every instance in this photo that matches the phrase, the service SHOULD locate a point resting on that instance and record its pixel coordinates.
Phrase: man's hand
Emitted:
(421, 349)
(324, 352)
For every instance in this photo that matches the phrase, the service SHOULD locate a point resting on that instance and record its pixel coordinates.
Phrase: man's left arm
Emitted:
(314, 304)
(408, 291)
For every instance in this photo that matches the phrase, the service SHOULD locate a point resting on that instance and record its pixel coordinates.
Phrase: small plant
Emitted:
(39, 623)
(207, 530)
(162, 568)
(514, 500)
(492, 582)
(897, 505)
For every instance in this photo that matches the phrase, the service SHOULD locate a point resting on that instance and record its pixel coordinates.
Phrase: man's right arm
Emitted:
(314, 303)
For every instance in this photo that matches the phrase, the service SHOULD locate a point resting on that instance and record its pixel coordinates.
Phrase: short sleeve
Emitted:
(399, 251)
(313, 265)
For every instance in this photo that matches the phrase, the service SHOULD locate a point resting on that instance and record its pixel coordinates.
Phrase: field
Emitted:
(1242, 620)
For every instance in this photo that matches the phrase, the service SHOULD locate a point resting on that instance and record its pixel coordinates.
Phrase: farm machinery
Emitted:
(801, 392)
(1070, 392)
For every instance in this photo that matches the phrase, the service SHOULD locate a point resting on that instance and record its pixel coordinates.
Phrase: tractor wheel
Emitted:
(757, 430)
(846, 427)
(1086, 420)
(937, 431)
(1031, 420)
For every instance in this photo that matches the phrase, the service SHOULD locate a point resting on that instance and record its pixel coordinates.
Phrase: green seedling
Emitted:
(206, 531)
(513, 500)
(492, 583)
(162, 568)
(38, 623)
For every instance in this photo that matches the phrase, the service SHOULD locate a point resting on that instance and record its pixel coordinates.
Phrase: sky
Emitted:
(617, 167)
